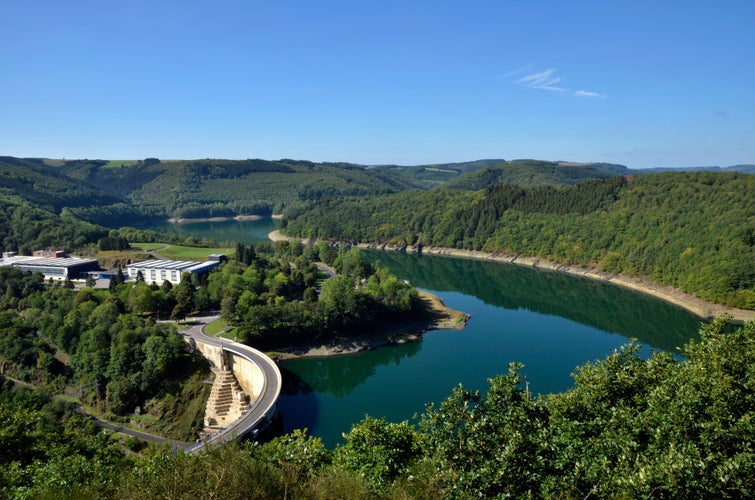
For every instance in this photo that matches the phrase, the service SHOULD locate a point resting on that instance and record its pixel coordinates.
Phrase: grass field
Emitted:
(178, 252)
(215, 327)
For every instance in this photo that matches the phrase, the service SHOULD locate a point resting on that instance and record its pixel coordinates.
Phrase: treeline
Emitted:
(629, 428)
(690, 230)
(114, 194)
(25, 228)
(283, 297)
(136, 235)
(528, 173)
(96, 341)
(49, 188)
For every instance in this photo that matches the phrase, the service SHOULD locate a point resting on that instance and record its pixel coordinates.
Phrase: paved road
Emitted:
(262, 409)
(175, 445)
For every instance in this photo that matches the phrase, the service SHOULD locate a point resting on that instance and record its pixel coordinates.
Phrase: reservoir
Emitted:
(549, 321)
(244, 231)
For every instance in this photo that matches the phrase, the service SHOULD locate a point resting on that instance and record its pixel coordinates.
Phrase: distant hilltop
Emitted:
(746, 168)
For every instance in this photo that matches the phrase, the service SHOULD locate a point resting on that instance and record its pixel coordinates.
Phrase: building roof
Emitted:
(173, 265)
(26, 260)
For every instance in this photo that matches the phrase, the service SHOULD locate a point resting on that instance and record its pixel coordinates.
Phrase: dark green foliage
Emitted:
(47, 447)
(628, 428)
(113, 242)
(527, 173)
(47, 187)
(429, 176)
(692, 231)
(379, 451)
(661, 428)
(271, 300)
(117, 360)
(217, 188)
(490, 445)
(245, 254)
(116, 195)
(25, 228)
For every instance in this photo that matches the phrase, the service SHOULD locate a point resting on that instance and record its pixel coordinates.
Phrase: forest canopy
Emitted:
(691, 230)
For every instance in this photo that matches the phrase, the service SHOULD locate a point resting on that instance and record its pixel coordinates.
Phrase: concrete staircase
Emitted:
(226, 402)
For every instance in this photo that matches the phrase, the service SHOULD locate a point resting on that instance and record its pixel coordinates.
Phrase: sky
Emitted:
(640, 83)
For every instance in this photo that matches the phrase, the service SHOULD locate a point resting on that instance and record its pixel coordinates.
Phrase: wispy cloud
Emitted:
(547, 80)
(544, 80)
(587, 93)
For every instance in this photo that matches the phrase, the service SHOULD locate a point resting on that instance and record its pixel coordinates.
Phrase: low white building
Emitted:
(158, 271)
(59, 266)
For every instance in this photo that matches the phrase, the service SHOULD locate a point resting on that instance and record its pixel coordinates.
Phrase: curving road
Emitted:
(262, 410)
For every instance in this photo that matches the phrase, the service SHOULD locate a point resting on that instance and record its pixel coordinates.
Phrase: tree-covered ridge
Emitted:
(527, 173)
(433, 175)
(629, 428)
(113, 194)
(49, 188)
(116, 194)
(25, 227)
(110, 194)
(690, 230)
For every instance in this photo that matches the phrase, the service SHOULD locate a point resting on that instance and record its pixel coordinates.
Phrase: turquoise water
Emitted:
(551, 322)
(548, 321)
(244, 231)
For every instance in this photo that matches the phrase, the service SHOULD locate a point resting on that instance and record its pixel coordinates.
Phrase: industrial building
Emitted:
(52, 264)
(158, 271)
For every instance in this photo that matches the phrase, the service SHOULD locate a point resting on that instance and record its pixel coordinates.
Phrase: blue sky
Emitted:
(641, 83)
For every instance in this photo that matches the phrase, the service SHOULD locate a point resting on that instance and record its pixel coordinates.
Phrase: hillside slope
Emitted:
(529, 173)
(694, 231)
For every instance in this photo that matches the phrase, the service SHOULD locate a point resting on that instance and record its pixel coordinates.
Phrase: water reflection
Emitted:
(340, 375)
(315, 392)
(244, 231)
(589, 302)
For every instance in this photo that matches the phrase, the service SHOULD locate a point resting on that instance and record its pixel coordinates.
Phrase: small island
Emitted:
(434, 315)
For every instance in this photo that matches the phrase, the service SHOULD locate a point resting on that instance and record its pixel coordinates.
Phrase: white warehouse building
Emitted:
(158, 271)
(52, 264)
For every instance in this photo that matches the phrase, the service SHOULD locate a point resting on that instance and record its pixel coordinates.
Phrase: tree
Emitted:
(354, 263)
(490, 445)
(378, 450)
(141, 299)
(338, 296)
(184, 297)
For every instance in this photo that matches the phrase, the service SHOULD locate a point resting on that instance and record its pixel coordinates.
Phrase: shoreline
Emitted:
(189, 220)
(695, 305)
(440, 317)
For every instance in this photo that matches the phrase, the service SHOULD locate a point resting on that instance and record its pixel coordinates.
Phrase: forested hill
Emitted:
(532, 173)
(113, 193)
(691, 230)
(49, 188)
